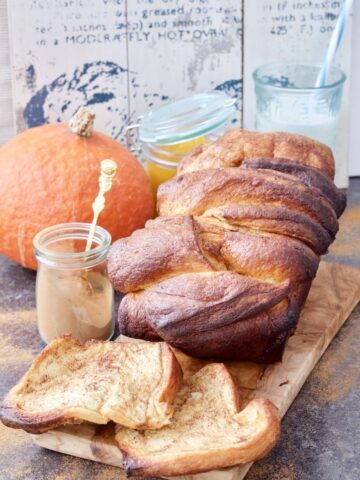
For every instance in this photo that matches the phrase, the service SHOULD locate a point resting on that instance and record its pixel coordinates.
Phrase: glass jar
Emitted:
(73, 292)
(287, 99)
(167, 134)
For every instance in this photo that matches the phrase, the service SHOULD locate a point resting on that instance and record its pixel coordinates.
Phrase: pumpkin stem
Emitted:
(82, 123)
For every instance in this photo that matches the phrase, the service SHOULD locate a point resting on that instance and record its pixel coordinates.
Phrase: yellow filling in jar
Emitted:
(172, 154)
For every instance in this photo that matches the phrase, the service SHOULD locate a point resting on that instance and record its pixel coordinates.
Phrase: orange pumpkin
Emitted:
(49, 175)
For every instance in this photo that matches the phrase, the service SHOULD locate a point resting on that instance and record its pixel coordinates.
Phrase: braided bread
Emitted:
(224, 270)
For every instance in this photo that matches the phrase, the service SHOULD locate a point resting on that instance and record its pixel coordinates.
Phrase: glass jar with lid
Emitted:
(167, 134)
(73, 292)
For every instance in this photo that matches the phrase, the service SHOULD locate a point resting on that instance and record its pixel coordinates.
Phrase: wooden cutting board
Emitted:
(334, 294)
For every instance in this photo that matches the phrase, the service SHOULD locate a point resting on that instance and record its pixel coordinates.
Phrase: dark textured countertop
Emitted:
(320, 432)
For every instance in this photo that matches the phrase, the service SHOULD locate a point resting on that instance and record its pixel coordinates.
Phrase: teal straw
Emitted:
(335, 41)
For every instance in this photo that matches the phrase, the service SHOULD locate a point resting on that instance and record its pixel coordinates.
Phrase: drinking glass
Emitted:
(288, 100)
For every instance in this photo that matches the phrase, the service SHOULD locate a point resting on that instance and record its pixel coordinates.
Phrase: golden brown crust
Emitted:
(178, 309)
(238, 145)
(197, 192)
(272, 219)
(257, 338)
(312, 177)
(189, 463)
(176, 236)
(261, 205)
(208, 408)
(132, 319)
(269, 257)
(173, 378)
(14, 418)
(70, 382)
(197, 302)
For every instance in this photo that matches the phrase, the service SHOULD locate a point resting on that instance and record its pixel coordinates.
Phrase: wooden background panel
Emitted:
(178, 47)
(162, 57)
(67, 55)
(354, 141)
(6, 118)
(295, 31)
(125, 56)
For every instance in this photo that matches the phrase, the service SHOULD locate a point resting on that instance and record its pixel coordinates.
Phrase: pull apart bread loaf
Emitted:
(208, 431)
(133, 384)
(224, 270)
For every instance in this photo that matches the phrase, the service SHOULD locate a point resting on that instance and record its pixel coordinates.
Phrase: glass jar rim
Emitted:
(66, 231)
(258, 79)
(186, 118)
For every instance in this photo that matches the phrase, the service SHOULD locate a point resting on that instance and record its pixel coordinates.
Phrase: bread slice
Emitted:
(208, 430)
(133, 384)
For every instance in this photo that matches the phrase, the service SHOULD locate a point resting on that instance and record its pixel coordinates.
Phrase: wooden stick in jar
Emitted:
(107, 173)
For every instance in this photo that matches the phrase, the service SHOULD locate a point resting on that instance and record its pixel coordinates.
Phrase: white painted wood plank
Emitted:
(260, 49)
(69, 54)
(179, 47)
(6, 118)
(354, 154)
(294, 31)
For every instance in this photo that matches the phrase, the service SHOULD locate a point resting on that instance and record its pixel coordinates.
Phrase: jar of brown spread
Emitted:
(73, 292)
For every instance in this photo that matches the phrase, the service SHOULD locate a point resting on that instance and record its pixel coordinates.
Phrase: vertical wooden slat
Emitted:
(6, 118)
(354, 147)
(180, 47)
(297, 32)
(65, 55)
